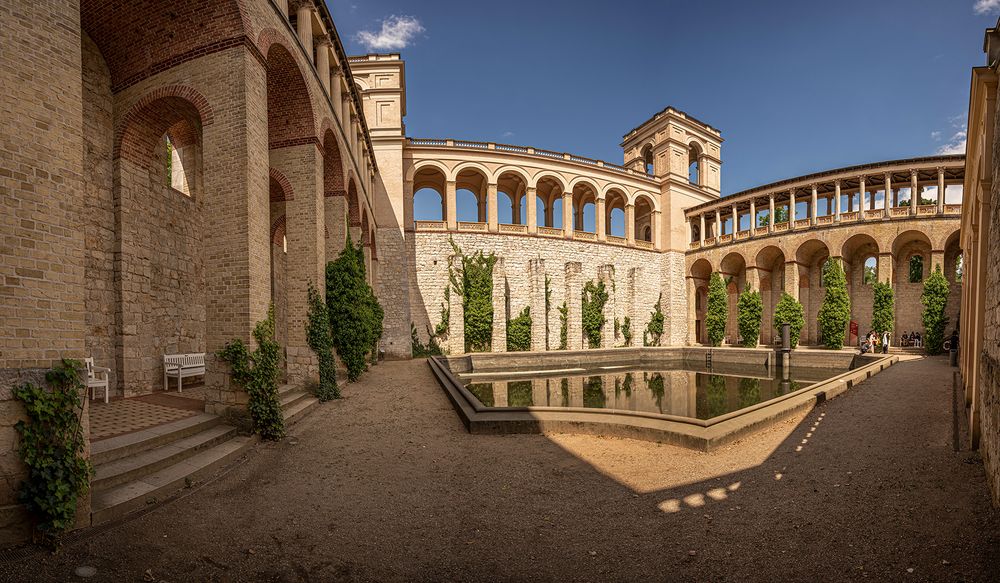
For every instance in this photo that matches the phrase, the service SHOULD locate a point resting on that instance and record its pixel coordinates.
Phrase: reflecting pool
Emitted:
(683, 390)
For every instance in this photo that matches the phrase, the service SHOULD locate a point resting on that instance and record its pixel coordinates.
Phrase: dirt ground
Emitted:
(386, 485)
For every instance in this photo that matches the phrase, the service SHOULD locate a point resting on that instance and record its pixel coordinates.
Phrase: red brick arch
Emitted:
(290, 118)
(278, 230)
(178, 110)
(280, 187)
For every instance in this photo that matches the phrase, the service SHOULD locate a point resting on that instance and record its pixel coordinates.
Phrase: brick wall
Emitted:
(989, 371)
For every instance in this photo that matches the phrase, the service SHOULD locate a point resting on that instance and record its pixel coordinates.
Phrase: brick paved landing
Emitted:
(137, 413)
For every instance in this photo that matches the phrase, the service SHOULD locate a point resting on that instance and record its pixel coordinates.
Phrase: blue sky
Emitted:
(794, 86)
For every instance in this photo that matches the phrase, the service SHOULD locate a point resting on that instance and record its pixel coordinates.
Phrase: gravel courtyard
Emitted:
(386, 485)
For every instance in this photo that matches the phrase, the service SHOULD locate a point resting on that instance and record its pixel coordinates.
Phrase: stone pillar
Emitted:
(482, 208)
(499, 340)
(861, 199)
(335, 92)
(770, 215)
(736, 221)
(836, 193)
(887, 200)
(792, 279)
(451, 205)
(813, 206)
(753, 217)
(791, 209)
(303, 26)
(456, 310)
(885, 267)
(491, 207)
(656, 227)
(630, 224)
(600, 218)
(753, 278)
(567, 215)
(574, 324)
(941, 189)
(536, 271)
(606, 274)
(578, 217)
(718, 226)
(914, 192)
(701, 233)
(692, 318)
(532, 209)
(323, 63)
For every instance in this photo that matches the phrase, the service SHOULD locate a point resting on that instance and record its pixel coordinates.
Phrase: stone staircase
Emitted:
(135, 470)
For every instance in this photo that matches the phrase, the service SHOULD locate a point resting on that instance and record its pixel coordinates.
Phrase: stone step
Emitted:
(135, 467)
(113, 503)
(291, 398)
(299, 409)
(107, 450)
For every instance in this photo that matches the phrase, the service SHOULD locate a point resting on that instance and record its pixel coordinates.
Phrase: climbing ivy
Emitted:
(749, 312)
(835, 312)
(519, 332)
(789, 311)
(654, 329)
(419, 349)
(935, 300)
(594, 298)
(548, 308)
(883, 307)
(476, 288)
(51, 445)
(627, 330)
(563, 326)
(718, 310)
(355, 314)
(257, 373)
(320, 340)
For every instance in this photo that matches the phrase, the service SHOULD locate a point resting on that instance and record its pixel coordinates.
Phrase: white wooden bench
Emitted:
(181, 366)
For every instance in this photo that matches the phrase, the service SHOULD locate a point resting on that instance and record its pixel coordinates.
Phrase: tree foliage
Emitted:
(718, 309)
(835, 312)
(320, 340)
(789, 311)
(355, 314)
(519, 332)
(750, 312)
(594, 297)
(916, 269)
(935, 300)
(257, 373)
(883, 307)
(780, 216)
(52, 445)
(654, 329)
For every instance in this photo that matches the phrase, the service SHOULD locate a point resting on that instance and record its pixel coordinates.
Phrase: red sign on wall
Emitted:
(854, 332)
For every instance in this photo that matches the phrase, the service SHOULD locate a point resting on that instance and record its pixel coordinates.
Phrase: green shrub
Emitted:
(883, 307)
(750, 311)
(935, 300)
(419, 349)
(627, 330)
(257, 373)
(320, 340)
(654, 329)
(835, 312)
(718, 310)
(594, 298)
(789, 311)
(563, 326)
(354, 312)
(519, 332)
(51, 445)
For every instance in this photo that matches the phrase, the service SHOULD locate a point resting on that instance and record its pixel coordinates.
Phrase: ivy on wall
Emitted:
(563, 326)
(320, 340)
(654, 329)
(835, 312)
(476, 288)
(355, 314)
(257, 373)
(935, 300)
(789, 311)
(594, 297)
(749, 312)
(51, 445)
(718, 310)
(519, 332)
(883, 307)
(626, 329)
(419, 349)
(548, 308)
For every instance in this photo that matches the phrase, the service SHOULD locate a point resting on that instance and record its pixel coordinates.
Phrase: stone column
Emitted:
(885, 267)
(753, 217)
(491, 207)
(567, 215)
(323, 63)
(836, 193)
(718, 226)
(536, 271)
(770, 214)
(303, 26)
(736, 221)
(701, 233)
(887, 200)
(600, 224)
(574, 287)
(914, 192)
(606, 274)
(792, 279)
(456, 311)
(861, 199)
(482, 209)
(655, 226)
(532, 209)
(813, 206)
(941, 189)
(791, 209)
(335, 92)
(515, 211)
(499, 339)
(630, 224)
(451, 205)
(692, 318)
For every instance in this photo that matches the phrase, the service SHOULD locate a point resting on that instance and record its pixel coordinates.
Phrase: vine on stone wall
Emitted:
(750, 311)
(935, 300)
(718, 309)
(476, 288)
(320, 340)
(654, 329)
(419, 349)
(627, 330)
(594, 297)
(257, 373)
(563, 326)
(548, 308)
(519, 332)
(355, 314)
(52, 448)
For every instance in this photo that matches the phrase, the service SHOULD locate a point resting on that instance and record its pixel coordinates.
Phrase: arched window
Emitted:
(916, 268)
(870, 274)
(959, 267)
(694, 163)
(181, 165)
(647, 159)
(647, 234)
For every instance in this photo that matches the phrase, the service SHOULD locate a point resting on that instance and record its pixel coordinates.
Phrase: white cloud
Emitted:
(936, 136)
(986, 6)
(507, 135)
(395, 34)
(955, 145)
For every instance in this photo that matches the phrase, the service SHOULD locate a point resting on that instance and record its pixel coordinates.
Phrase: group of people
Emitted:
(873, 342)
(911, 339)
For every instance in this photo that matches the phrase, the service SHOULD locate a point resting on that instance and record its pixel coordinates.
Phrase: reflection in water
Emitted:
(701, 394)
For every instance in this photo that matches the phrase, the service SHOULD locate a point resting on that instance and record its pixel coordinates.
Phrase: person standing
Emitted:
(885, 342)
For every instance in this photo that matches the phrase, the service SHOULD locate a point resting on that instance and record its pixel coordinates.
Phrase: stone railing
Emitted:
(505, 228)
(430, 225)
(874, 214)
(473, 227)
(584, 236)
(644, 244)
(742, 234)
(617, 240)
(802, 223)
(926, 209)
(824, 220)
(780, 227)
(725, 238)
(900, 211)
(550, 232)
(849, 217)
(952, 209)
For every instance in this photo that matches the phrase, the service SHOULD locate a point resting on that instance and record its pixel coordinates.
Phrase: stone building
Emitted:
(168, 170)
